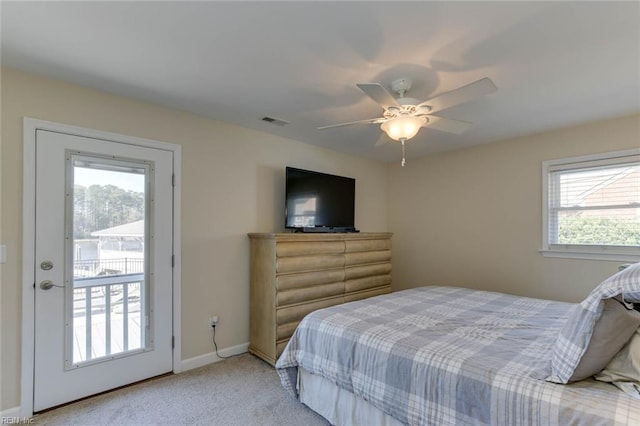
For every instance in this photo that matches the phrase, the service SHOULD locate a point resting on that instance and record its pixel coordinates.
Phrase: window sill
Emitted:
(577, 254)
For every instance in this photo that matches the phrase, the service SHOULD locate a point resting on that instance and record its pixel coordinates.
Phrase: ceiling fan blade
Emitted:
(368, 121)
(447, 124)
(461, 95)
(379, 94)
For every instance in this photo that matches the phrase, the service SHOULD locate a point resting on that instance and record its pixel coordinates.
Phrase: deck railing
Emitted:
(112, 303)
(93, 267)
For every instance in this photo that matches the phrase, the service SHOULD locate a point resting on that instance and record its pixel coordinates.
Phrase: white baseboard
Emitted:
(211, 357)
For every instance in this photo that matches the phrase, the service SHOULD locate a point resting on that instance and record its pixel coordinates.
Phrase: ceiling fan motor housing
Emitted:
(408, 105)
(401, 86)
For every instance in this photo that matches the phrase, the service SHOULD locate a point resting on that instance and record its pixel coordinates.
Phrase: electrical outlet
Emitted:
(213, 320)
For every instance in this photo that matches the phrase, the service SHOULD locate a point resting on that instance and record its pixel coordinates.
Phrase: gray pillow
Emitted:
(575, 336)
(610, 333)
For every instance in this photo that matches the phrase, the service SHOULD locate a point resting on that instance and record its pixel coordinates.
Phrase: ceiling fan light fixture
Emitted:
(403, 127)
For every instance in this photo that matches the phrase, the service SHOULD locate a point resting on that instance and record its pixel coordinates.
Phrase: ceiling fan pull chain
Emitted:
(403, 160)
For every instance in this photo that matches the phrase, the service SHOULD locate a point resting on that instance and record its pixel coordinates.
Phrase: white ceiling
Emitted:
(555, 64)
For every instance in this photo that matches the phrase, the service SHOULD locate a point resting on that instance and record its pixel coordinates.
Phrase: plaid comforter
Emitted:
(451, 356)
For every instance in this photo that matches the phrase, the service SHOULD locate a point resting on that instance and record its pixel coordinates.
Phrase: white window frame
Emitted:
(579, 251)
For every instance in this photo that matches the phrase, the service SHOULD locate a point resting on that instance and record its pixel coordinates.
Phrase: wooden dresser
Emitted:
(293, 274)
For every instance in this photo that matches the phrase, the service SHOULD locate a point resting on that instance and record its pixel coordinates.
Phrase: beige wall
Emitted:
(233, 183)
(473, 217)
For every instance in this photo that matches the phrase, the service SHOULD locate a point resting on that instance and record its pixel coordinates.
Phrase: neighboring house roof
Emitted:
(132, 229)
(595, 188)
(623, 186)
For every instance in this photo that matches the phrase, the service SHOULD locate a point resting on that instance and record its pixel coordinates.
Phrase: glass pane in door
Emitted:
(108, 200)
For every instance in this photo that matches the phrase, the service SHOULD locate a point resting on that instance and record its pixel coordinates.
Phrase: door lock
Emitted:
(46, 284)
(46, 265)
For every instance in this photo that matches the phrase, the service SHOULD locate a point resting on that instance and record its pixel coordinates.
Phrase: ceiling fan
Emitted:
(403, 117)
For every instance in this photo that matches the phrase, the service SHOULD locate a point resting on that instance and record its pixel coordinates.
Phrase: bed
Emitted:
(454, 356)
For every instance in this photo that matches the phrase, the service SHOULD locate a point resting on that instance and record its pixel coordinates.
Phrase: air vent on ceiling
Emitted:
(276, 121)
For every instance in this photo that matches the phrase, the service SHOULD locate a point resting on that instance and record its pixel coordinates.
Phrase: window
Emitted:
(592, 206)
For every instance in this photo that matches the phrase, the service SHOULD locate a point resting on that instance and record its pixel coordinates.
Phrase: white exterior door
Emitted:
(103, 266)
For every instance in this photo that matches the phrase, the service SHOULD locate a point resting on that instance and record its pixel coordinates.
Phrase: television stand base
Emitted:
(326, 229)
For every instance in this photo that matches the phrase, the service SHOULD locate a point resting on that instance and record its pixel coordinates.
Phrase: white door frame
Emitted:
(30, 125)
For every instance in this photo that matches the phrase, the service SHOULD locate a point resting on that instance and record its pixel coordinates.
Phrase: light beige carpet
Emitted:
(242, 390)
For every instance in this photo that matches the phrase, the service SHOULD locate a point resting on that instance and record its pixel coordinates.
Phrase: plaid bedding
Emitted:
(451, 356)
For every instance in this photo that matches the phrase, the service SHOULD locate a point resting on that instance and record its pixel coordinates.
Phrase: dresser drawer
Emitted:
(352, 272)
(367, 293)
(280, 347)
(297, 312)
(285, 331)
(367, 257)
(286, 249)
(306, 294)
(367, 245)
(365, 283)
(308, 279)
(309, 263)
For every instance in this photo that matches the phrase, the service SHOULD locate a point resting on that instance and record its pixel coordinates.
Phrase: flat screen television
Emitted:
(319, 202)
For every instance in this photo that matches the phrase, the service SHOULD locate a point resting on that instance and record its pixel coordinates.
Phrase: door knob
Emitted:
(46, 284)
